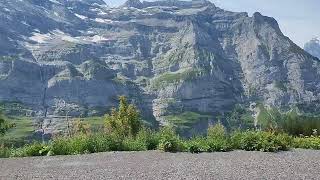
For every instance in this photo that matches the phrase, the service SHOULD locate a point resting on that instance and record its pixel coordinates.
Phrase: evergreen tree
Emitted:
(125, 121)
(4, 126)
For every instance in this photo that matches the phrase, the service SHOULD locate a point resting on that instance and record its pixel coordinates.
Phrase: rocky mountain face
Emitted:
(313, 47)
(168, 57)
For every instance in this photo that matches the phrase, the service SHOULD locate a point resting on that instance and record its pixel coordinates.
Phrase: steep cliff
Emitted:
(169, 58)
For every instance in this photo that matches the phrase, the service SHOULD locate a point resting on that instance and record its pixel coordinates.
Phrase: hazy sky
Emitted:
(298, 19)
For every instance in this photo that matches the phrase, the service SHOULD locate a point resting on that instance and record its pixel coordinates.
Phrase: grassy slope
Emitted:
(186, 119)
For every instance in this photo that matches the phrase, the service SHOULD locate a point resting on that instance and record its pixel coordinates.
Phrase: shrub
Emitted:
(284, 141)
(35, 149)
(79, 127)
(170, 141)
(217, 139)
(197, 145)
(312, 142)
(102, 143)
(61, 146)
(131, 144)
(150, 138)
(5, 152)
(125, 121)
(4, 124)
(260, 141)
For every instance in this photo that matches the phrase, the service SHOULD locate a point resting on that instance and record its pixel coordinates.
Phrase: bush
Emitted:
(307, 143)
(260, 141)
(125, 121)
(131, 144)
(83, 144)
(217, 139)
(5, 152)
(170, 141)
(102, 143)
(197, 145)
(70, 146)
(4, 124)
(35, 149)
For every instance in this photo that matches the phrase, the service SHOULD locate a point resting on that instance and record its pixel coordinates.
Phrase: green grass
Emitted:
(312, 142)
(185, 119)
(23, 129)
(171, 78)
(95, 122)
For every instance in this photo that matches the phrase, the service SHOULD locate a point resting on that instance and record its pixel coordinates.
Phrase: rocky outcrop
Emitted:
(133, 3)
(313, 47)
(168, 57)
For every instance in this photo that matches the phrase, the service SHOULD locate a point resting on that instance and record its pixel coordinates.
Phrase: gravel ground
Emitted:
(296, 164)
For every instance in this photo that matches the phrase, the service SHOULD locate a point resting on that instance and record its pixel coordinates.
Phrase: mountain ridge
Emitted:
(193, 57)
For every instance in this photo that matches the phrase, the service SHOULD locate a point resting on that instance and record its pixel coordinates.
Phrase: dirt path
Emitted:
(297, 164)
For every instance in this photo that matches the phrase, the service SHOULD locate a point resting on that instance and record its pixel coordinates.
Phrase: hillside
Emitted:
(171, 58)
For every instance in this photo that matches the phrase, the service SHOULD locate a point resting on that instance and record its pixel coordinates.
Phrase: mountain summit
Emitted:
(171, 58)
(313, 47)
(133, 3)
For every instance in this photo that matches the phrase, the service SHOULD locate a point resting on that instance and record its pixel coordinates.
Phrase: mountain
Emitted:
(171, 58)
(313, 47)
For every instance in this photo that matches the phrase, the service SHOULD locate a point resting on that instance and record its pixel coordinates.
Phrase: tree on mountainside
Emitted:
(124, 121)
(4, 125)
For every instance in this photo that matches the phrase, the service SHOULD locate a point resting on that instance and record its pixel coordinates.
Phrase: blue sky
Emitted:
(298, 19)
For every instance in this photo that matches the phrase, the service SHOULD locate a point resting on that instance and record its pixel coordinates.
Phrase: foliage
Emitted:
(296, 124)
(4, 125)
(5, 152)
(268, 118)
(217, 139)
(83, 144)
(290, 122)
(312, 142)
(171, 78)
(261, 141)
(125, 132)
(197, 145)
(125, 121)
(21, 128)
(80, 127)
(35, 149)
(169, 140)
(185, 118)
(240, 118)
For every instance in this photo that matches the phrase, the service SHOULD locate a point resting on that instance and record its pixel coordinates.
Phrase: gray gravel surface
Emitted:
(296, 164)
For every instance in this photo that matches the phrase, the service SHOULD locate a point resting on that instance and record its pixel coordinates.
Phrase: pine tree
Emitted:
(4, 126)
(125, 121)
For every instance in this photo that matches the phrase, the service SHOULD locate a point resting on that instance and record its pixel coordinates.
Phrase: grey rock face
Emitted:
(168, 57)
(313, 47)
(133, 3)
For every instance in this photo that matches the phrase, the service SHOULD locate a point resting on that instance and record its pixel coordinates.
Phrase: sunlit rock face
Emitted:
(167, 57)
(313, 47)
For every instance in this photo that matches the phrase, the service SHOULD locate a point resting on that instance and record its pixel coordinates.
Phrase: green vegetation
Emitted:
(124, 122)
(261, 141)
(8, 58)
(21, 129)
(312, 142)
(171, 78)
(123, 130)
(169, 141)
(239, 118)
(185, 119)
(4, 124)
(290, 122)
(14, 108)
